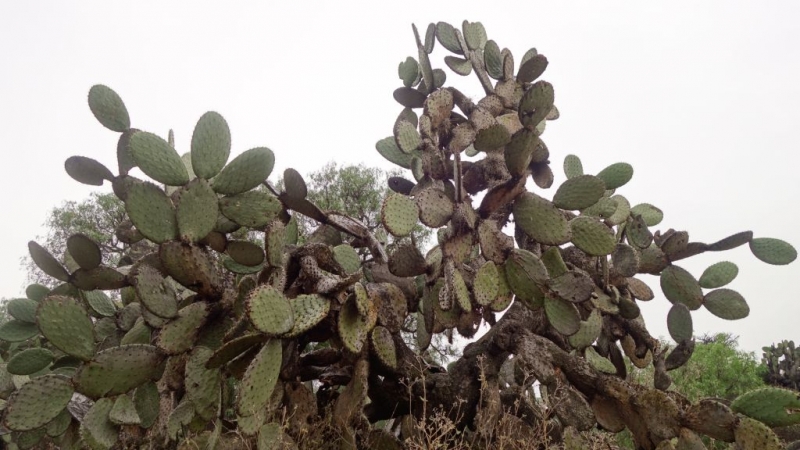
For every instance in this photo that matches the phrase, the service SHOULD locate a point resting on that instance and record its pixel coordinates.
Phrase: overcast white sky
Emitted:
(700, 97)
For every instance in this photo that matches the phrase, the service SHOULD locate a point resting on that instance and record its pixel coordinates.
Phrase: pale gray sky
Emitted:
(700, 97)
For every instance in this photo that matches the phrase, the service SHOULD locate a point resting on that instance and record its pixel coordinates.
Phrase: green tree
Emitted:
(97, 217)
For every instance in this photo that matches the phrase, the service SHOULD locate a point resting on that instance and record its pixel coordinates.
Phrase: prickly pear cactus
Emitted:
(783, 365)
(230, 344)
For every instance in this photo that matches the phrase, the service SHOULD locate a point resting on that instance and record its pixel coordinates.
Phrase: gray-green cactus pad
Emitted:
(269, 311)
(592, 236)
(562, 315)
(66, 324)
(155, 292)
(29, 361)
(579, 192)
(245, 172)
(97, 429)
(773, 406)
(45, 261)
(259, 379)
(726, 304)
(541, 220)
(179, 334)
(773, 251)
(37, 402)
(252, 209)
(652, 216)
(211, 145)
(679, 322)
(616, 175)
(108, 108)
(84, 251)
(22, 309)
(119, 369)
(17, 331)
(399, 214)
(202, 384)
(197, 210)
(152, 212)
(157, 159)
(718, 275)
(679, 286)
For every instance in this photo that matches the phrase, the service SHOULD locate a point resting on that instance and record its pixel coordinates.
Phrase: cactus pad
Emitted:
(435, 207)
(679, 322)
(388, 148)
(155, 292)
(158, 159)
(245, 253)
(640, 290)
(117, 370)
(84, 251)
(211, 145)
(202, 384)
(588, 332)
(196, 210)
(252, 209)
(269, 311)
(625, 260)
(383, 346)
(652, 216)
(260, 378)
(108, 108)
(525, 272)
(573, 287)
(407, 137)
(773, 406)
(592, 236)
(562, 315)
(773, 251)
(616, 175)
(97, 429)
(245, 172)
(45, 261)
(179, 334)
(100, 303)
(679, 286)
(541, 220)
(598, 362)
(146, 401)
(718, 275)
(152, 212)
(726, 304)
(486, 284)
(66, 324)
(29, 361)
(22, 309)
(407, 261)
(353, 327)
(347, 257)
(536, 103)
(309, 310)
(579, 192)
(17, 331)
(124, 412)
(399, 214)
(573, 167)
(37, 402)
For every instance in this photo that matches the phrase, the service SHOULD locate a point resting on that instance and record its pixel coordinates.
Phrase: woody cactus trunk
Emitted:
(223, 341)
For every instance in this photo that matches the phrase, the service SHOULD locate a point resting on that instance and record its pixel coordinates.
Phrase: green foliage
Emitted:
(225, 333)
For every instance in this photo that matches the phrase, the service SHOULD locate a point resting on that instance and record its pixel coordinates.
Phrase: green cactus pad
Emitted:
(679, 286)
(588, 332)
(347, 257)
(190, 266)
(22, 309)
(66, 324)
(87, 171)
(157, 159)
(179, 418)
(679, 322)
(579, 192)
(383, 346)
(202, 384)
(36, 291)
(124, 412)
(598, 362)
(562, 315)
(245, 253)
(573, 167)
(753, 435)
(17, 331)
(458, 65)
(407, 261)
(625, 260)
(260, 378)
(525, 272)
(616, 175)
(309, 310)
(773, 251)
(621, 212)
(532, 68)
(252, 209)
(399, 214)
(152, 212)
(45, 261)
(353, 327)
(146, 400)
(731, 242)
(603, 209)
(573, 287)
(435, 207)
(775, 407)
(211, 145)
(138, 334)
(269, 311)
(388, 148)
(179, 334)
(117, 370)
(726, 304)
(155, 292)
(460, 290)
(277, 237)
(474, 34)
(407, 137)
(294, 184)
(638, 234)
(536, 103)
(29, 361)
(541, 220)
(493, 60)
(408, 71)
(245, 172)
(718, 275)
(37, 402)
(84, 251)
(60, 424)
(519, 151)
(234, 348)
(486, 284)
(127, 316)
(97, 429)
(196, 211)
(493, 137)
(108, 108)
(446, 35)
(100, 303)
(652, 216)
(592, 236)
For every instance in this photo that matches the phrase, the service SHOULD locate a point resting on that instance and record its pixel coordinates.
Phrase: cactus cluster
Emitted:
(782, 362)
(218, 339)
